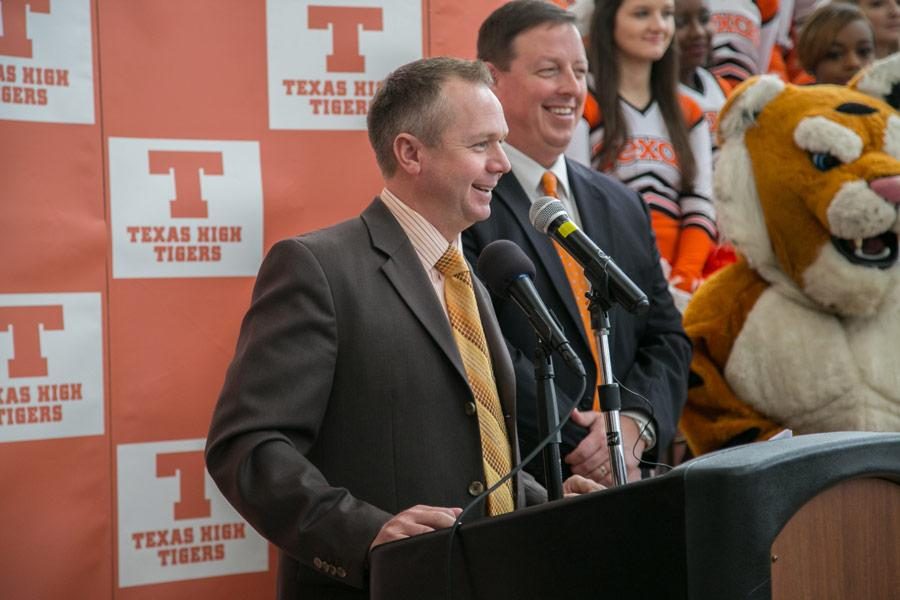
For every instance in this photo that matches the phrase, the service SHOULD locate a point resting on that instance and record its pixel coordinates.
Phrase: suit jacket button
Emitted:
(317, 562)
(471, 409)
(476, 488)
(341, 572)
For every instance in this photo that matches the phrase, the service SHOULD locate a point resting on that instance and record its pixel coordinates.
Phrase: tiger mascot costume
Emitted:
(803, 332)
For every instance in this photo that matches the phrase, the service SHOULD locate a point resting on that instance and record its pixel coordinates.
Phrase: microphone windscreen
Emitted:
(502, 262)
(544, 211)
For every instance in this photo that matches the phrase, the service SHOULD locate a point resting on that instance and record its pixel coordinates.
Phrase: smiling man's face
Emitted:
(543, 90)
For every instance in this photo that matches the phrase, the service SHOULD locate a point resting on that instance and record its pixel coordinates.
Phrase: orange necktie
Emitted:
(579, 284)
(469, 335)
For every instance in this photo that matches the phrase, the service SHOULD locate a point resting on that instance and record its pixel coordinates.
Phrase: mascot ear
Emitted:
(745, 104)
(881, 80)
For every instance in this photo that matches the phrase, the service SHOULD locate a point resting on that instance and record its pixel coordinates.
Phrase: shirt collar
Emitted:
(528, 171)
(427, 241)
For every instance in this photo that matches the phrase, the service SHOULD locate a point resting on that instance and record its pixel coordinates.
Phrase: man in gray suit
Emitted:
(347, 418)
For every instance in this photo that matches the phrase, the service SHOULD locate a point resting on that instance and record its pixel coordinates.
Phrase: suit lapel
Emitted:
(403, 269)
(510, 193)
(593, 208)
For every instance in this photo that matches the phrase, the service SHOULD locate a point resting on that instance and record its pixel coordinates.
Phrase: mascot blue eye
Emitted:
(824, 161)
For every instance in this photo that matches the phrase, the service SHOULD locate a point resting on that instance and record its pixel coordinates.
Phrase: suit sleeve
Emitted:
(661, 362)
(269, 413)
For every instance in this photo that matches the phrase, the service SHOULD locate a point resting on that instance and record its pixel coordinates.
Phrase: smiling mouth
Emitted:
(879, 251)
(560, 111)
(483, 188)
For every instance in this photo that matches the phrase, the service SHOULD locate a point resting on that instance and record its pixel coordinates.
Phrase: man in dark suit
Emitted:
(347, 418)
(539, 67)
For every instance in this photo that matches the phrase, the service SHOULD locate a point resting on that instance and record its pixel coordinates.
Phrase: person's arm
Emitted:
(714, 417)
(698, 232)
(268, 417)
(661, 363)
(655, 344)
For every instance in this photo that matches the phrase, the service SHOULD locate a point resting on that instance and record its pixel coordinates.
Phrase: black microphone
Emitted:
(508, 274)
(549, 216)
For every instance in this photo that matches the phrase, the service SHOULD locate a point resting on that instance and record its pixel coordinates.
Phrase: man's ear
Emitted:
(408, 152)
(494, 71)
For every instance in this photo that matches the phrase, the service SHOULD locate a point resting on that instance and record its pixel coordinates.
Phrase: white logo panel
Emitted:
(174, 525)
(46, 70)
(328, 57)
(185, 208)
(51, 366)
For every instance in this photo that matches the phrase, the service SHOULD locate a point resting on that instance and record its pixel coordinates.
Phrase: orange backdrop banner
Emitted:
(151, 153)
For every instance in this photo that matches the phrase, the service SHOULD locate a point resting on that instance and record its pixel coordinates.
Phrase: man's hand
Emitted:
(577, 485)
(414, 521)
(591, 457)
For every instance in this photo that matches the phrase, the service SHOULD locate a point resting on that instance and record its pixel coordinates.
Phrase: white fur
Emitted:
(879, 78)
(819, 372)
(737, 203)
(744, 109)
(820, 135)
(892, 137)
(740, 216)
(858, 212)
(847, 289)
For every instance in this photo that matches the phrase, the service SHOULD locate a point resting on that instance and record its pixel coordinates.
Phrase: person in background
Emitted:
(835, 43)
(651, 137)
(746, 32)
(371, 396)
(884, 15)
(539, 66)
(693, 35)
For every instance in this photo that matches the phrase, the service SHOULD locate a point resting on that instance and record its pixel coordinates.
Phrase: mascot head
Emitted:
(808, 185)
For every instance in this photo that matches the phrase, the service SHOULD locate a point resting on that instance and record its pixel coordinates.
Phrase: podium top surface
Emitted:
(706, 528)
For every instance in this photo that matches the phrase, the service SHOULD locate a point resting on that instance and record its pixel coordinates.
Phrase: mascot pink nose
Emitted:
(888, 188)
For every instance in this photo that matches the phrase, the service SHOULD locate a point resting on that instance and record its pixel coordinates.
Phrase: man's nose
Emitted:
(568, 81)
(499, 162)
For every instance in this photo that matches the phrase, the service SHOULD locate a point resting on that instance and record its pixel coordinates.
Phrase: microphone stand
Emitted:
(608, 392)
(548, 419)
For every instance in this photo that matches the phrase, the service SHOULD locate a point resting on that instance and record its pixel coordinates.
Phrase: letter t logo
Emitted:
(345, 21)
(14, 41)
(192, 503)
(185, 167)
(25, 322)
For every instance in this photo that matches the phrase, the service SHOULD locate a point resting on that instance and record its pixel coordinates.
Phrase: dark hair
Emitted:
(410, 101)
(821, 28)
(604, 61)
(498, 32)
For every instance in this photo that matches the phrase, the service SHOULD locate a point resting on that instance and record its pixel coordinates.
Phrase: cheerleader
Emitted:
(652, 138)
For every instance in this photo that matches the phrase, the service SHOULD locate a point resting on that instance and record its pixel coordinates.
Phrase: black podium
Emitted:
(726, 525)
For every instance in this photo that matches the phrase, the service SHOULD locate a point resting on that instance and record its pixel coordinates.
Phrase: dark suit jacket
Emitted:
(345, 402)
(650, 354)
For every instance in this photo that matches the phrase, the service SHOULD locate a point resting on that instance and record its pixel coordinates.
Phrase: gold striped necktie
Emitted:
(578, 282)
(466, 325)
